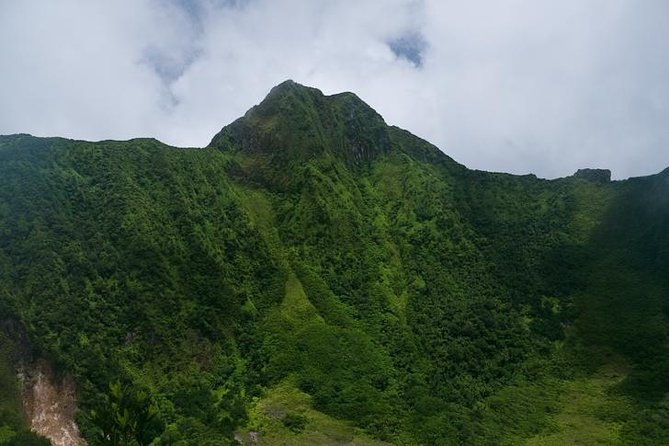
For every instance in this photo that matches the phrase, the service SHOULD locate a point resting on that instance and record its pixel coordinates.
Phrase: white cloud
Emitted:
(512, 85)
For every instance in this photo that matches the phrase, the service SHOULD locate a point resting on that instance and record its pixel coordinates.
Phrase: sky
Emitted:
(519, 86)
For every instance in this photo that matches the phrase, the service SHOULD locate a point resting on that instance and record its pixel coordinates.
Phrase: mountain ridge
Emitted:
(300, 93)
(314, 275)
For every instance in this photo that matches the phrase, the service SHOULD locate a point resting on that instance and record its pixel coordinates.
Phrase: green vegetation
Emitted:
(126, 416)
(317, 277)
(285, 415)
(590, 411)
(13, 429)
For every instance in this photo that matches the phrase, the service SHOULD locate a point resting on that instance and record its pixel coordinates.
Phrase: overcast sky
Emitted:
(506, 85)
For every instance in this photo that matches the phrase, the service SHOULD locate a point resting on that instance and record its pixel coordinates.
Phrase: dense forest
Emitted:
(315, 276)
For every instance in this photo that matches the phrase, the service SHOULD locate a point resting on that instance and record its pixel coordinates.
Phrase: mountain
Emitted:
(315, 276)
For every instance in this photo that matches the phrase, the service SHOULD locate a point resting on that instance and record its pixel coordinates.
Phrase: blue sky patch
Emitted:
(410, 46)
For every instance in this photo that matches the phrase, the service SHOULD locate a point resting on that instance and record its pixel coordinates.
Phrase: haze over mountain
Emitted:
(314, 276)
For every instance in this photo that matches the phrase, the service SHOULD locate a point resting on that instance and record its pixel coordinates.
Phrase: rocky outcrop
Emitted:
(50, 404)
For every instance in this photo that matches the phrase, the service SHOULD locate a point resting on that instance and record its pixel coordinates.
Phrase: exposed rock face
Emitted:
(50, 405)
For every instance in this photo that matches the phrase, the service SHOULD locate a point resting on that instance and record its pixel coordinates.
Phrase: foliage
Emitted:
(408, 297)
(125, 417)
(26, 438)
(295, 423)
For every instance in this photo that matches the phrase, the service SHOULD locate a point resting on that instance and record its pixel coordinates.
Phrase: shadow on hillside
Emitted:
(625, 303)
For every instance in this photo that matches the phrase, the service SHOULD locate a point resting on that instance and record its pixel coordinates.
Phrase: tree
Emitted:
(126, 417)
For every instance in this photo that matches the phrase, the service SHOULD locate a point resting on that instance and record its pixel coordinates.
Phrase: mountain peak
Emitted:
(288, 83)
(296, 122)
(290, 88)
(287, 86)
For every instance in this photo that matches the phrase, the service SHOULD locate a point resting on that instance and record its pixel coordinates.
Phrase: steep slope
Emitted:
(316, 275)
(133, 262)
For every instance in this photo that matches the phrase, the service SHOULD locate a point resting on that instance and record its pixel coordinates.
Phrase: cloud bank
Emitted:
(505, 85)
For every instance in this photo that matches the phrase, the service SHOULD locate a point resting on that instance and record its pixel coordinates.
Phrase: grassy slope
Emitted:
(267, 416)
(590, 411)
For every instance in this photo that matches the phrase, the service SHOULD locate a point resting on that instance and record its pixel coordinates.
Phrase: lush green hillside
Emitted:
(318, 277)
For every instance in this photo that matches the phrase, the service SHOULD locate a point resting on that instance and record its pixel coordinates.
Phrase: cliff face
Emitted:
(50, 404)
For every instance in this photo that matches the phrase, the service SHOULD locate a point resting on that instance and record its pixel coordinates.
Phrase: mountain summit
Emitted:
(297, 122)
